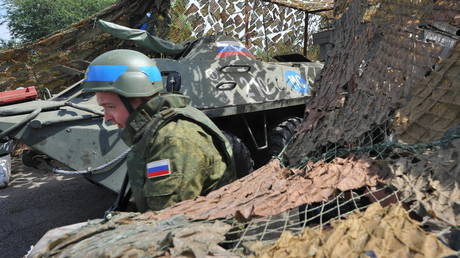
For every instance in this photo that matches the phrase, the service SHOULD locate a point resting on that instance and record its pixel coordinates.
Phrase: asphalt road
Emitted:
(37, 201)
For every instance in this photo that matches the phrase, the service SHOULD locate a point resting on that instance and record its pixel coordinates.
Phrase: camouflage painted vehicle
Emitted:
(256, 103)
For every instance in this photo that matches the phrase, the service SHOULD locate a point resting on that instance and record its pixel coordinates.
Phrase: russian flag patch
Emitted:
(158, 168)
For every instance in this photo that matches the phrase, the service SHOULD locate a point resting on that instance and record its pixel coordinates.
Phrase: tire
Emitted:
(244, 164)
(280, 135)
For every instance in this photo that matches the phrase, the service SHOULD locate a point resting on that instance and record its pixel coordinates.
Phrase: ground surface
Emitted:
(37, 201)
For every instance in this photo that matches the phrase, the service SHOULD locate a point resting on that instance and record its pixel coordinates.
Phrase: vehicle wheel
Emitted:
(241, 155)
(280, 135)
(29, 158)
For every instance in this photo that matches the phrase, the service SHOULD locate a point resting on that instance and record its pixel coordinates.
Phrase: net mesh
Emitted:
(389, 92)
(377, 145)
(266, 28)
(315, 215)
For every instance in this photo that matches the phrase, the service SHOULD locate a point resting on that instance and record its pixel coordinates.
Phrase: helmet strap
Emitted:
(127, 104)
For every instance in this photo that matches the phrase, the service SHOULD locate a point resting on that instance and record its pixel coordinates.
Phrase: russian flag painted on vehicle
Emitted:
(231, 48)
(158, 168)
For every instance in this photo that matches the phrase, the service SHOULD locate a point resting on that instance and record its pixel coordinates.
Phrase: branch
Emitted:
(310, 6)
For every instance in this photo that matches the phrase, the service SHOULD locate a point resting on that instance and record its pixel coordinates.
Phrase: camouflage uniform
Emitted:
(178, 152)
(168, 128)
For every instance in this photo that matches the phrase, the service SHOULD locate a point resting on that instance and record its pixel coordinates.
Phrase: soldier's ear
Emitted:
(136, 102)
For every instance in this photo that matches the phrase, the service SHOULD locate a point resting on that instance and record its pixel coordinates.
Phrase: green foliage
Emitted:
(29, 20)
(8, 43)
(313, 52)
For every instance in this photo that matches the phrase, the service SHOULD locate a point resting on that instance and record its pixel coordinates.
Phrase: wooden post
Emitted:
(246, 21)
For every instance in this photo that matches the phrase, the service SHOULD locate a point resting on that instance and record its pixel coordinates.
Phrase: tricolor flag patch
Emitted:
(232, 48)
(158, 168)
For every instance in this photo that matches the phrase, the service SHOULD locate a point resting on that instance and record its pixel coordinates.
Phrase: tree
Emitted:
(29, 20)
(8, 43)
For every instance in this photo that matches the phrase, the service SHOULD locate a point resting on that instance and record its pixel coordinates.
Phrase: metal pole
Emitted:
(305, 35)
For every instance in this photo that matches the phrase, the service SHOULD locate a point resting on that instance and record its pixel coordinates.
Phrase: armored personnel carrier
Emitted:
(257, 104)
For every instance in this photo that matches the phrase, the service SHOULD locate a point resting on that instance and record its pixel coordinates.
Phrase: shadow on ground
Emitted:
(37, 201)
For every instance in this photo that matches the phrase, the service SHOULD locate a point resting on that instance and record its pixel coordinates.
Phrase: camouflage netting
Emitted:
(127, 235)
(431, 179)
(383, 127)
(274, 200)
(266, 27)
(389, 56)
(377, 232)
(434, 103)
(272, 190)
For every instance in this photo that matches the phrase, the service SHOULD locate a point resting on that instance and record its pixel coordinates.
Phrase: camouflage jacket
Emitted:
(178, 153)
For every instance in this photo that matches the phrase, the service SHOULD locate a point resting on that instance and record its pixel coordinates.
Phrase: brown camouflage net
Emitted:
(376, 232)
(383, 53)
(389, 91)
(435, 103)
(272, 190)
(431, 181)
(125, 235)
(276, 207)
(326, 189)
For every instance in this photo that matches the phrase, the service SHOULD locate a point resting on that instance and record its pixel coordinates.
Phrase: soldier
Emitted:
(178, 152)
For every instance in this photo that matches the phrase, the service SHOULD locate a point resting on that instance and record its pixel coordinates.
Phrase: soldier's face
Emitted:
(114, 109)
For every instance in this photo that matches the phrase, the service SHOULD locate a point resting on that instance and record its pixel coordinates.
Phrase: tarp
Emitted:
(376, 232)
(141, 37)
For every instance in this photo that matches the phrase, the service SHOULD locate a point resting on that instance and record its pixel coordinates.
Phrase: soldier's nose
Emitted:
(108, 118)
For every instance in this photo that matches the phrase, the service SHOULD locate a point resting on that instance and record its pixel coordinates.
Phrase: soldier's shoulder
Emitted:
(181, 128)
